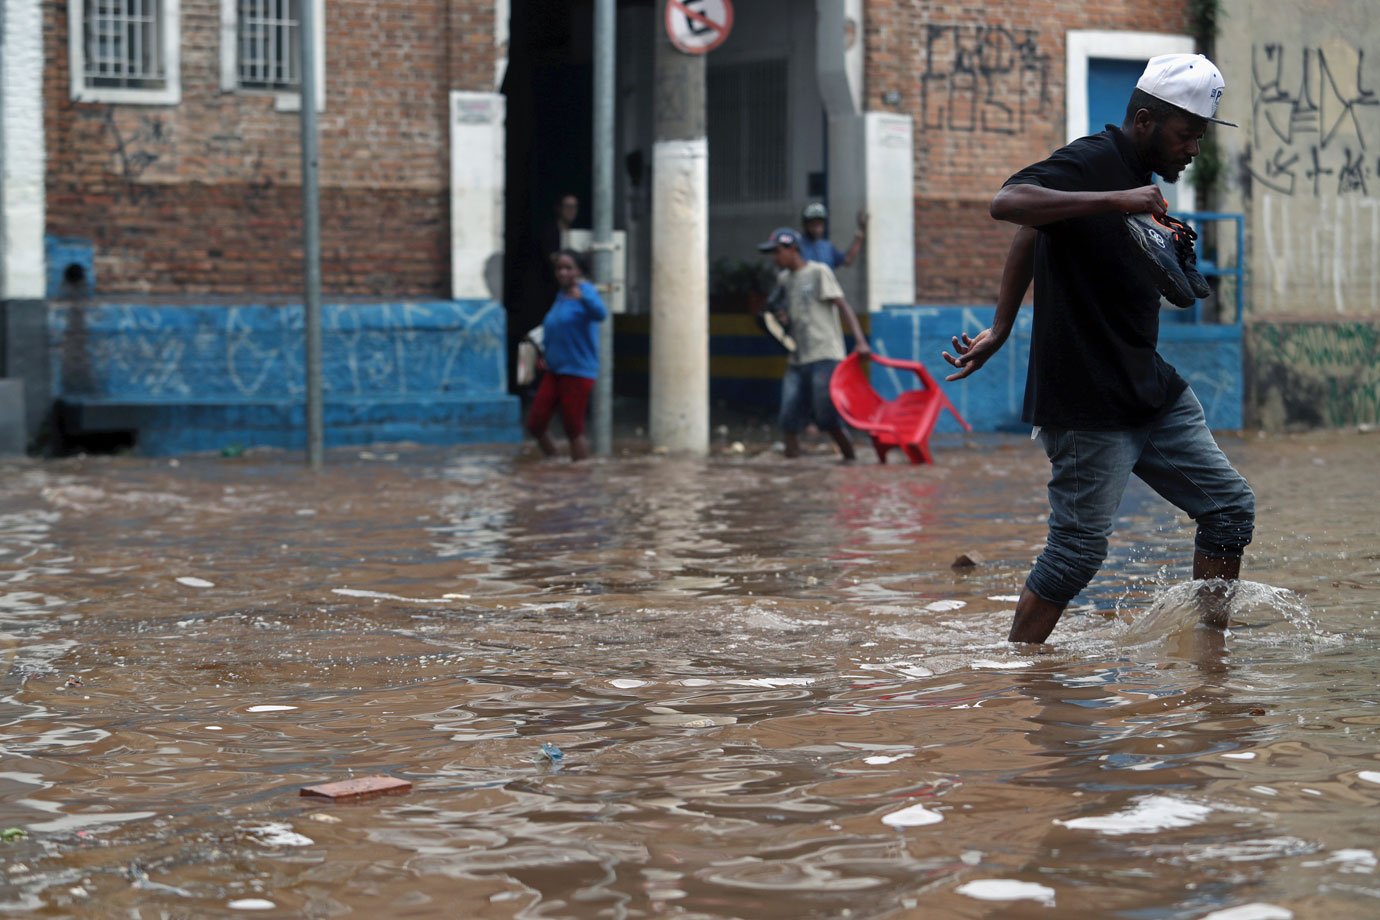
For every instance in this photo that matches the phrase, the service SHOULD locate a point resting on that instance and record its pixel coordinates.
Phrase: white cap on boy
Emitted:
(1189, 81)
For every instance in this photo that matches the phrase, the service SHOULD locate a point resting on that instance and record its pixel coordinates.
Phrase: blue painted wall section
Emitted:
(1208, 357)
(204, 377)
(71, 266)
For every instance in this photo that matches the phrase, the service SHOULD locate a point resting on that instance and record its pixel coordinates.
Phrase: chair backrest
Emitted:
(852, 392)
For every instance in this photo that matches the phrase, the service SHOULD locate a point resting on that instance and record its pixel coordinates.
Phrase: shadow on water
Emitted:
(647, 686)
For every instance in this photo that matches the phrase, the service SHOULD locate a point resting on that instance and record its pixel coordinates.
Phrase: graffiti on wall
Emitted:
(141, 353)
(1312, 374)
(136, 148)
(1315, 120)
(983, 79)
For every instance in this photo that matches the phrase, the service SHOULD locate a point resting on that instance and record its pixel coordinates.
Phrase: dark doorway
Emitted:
(549, 90)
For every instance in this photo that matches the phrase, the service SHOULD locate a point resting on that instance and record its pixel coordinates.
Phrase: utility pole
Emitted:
(605, 53)
(679, 420)
(311, 236)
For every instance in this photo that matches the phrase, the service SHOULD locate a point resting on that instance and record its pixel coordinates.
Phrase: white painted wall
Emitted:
(22, 273)
(477, 125)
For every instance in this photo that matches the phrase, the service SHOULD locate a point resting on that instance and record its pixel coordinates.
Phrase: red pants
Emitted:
(568, 393)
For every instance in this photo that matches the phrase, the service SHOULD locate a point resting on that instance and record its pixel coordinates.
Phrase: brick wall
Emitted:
(985, 86)
(204, 196)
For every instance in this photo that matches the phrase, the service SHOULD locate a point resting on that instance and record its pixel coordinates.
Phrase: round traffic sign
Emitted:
(698, 26)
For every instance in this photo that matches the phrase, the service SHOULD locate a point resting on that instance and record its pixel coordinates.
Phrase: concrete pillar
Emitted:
(477, 141)
(889, 168)
(839, 62)
(680, 254)
(22, 274)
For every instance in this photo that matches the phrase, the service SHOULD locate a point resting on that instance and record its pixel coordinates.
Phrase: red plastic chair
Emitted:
(905, 422)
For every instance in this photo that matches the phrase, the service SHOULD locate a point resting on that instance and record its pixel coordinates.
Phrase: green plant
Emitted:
(1204, 17)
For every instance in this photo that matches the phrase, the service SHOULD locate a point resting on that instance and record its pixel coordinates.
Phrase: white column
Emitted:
(477, 125)
(890, 178)
(680, 296)
(22, 273)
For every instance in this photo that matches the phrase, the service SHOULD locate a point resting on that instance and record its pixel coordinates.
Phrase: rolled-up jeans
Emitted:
(1175, 454)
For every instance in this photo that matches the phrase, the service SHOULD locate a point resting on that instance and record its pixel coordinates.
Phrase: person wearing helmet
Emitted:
(816, 247)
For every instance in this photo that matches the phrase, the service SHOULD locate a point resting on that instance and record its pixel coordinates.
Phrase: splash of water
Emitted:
(1262, 611)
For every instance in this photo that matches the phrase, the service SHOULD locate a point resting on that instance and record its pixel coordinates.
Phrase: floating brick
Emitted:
(363, 787)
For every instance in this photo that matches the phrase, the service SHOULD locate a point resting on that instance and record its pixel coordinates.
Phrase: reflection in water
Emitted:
(773, 694)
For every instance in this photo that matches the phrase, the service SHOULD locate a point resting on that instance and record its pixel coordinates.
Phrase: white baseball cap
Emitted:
(1189, 81)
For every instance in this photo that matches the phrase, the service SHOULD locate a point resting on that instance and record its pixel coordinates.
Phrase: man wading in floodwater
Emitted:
(1102, 401)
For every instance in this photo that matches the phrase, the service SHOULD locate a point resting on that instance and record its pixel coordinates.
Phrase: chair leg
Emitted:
(881, 450)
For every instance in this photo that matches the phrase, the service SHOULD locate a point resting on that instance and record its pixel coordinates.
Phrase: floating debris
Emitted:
(362, 788)
(552, 753)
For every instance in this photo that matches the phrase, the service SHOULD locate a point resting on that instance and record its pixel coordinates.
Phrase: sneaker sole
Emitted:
(1154, 244)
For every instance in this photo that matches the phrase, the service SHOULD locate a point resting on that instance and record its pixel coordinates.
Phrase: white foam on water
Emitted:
(269, 708)
(1005, 598)
(1265, 790)
(193, 582)
(1240, 755)
(1369, 776)
(773, 681)
(251, 904)
(878, 759)
(914, 816)
(627, 683)
(279, 835)
(1256, 911)
(213, 728)
(1146, 815)
(903, 668)
(1001, 889)
(998, 665)
(381, 596)
(941, 606)
(1362, 861)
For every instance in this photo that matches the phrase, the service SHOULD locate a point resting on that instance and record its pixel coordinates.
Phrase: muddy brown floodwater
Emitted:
(773, 695)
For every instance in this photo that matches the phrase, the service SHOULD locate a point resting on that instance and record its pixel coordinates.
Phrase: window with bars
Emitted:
(124, 50)
(261, 48)
(268, 52)
(747, 126)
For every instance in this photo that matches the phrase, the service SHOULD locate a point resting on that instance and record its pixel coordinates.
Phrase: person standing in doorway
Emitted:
(816, 247)
(812, 306)
(1102, 401)
(570, 355)
(564, 212)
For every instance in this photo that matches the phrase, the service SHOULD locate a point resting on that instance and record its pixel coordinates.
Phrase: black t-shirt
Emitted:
(1093, 363)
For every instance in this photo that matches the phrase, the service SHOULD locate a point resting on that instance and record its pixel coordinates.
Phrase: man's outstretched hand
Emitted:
(973, 352)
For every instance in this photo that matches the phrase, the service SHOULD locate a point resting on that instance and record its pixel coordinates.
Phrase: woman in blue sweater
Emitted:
(571, 358)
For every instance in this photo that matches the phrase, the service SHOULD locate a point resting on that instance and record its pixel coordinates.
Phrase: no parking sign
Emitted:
(698, 26)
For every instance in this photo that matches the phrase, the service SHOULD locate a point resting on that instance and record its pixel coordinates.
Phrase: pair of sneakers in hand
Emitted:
(1167, 254)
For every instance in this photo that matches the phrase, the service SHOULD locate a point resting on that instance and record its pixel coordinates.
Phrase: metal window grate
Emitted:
(123, 44)
(747, 124)
(269, 57)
